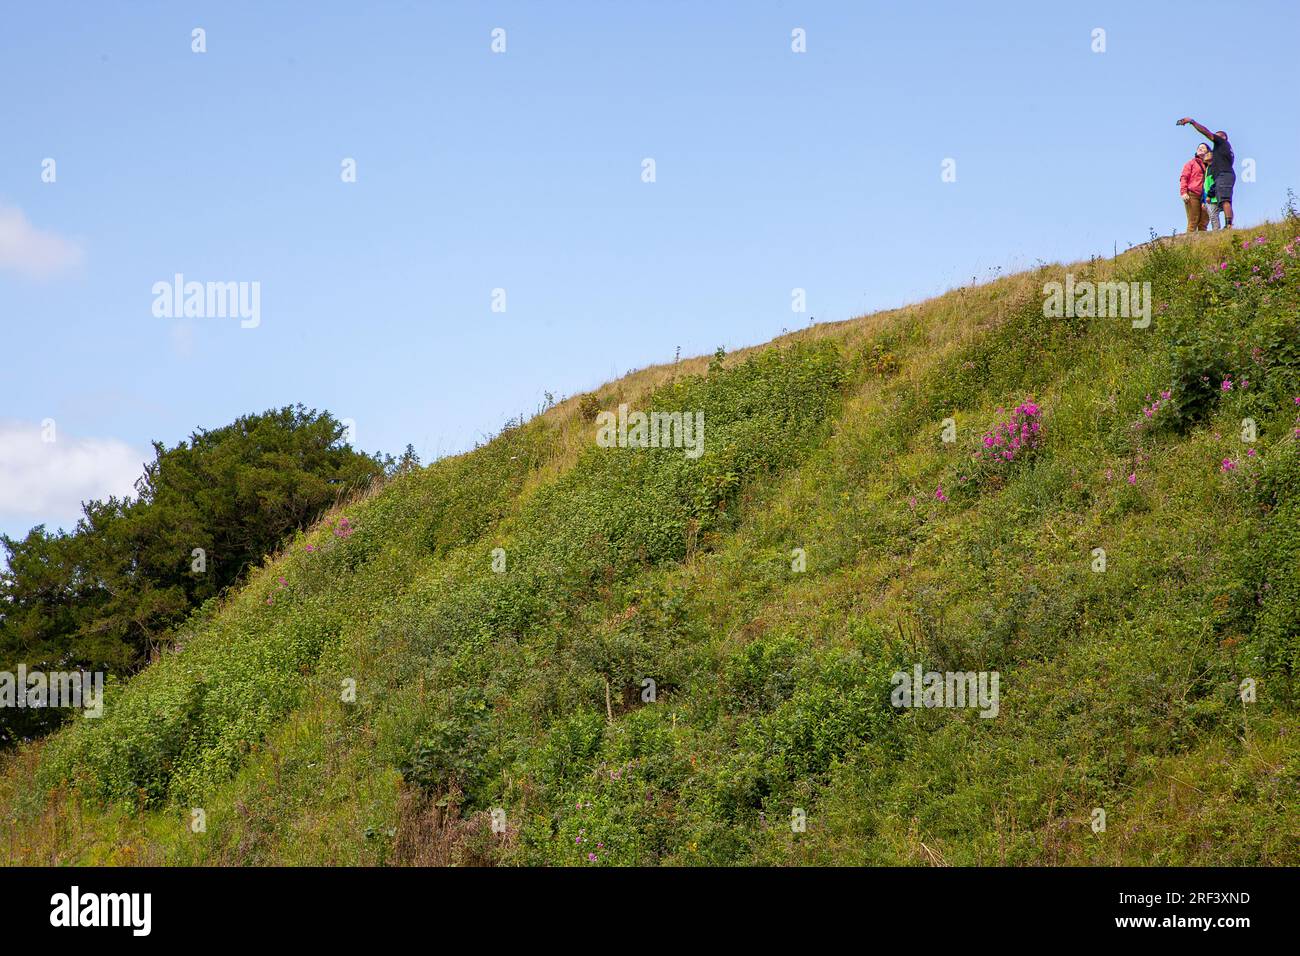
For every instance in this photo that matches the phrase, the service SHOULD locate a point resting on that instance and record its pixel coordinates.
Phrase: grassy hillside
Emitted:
(525, 689)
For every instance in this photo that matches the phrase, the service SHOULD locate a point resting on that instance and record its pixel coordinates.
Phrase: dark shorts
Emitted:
(1223, 189)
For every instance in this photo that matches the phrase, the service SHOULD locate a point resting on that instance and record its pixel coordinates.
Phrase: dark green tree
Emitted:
(106, 595)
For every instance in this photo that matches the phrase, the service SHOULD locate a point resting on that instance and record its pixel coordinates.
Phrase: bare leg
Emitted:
(1227, 214)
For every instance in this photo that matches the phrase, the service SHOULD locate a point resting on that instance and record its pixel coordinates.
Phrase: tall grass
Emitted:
(680, 654)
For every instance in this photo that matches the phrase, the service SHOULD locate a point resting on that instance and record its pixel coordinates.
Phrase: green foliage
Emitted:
(649, 679)
(1234, 321)
(108, 595)
(1271, 566)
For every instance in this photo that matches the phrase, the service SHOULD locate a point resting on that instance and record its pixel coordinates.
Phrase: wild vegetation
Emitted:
(106, 595)
(637, 658)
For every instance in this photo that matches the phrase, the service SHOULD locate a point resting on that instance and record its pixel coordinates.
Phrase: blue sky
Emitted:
(522, 170)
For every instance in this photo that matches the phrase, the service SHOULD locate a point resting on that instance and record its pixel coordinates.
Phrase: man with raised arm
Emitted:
(1220, 167)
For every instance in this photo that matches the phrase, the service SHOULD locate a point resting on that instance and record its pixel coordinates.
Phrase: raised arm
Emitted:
(1199, 128)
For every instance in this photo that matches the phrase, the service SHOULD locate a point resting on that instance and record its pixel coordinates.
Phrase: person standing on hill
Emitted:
(1220, 166)
(1212, 198)
(1191, 187)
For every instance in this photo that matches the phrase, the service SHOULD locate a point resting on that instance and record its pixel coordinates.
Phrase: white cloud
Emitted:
(32, 252)
(45, 482)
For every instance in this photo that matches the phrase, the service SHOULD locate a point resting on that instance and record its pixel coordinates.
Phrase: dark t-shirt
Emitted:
(1221, 161)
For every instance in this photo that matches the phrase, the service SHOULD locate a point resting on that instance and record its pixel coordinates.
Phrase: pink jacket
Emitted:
(1192, 181)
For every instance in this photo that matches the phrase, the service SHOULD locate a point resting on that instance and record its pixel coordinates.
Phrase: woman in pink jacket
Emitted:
(1191, 185)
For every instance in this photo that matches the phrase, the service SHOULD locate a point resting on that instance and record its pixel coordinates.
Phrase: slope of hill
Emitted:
(670, 658)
